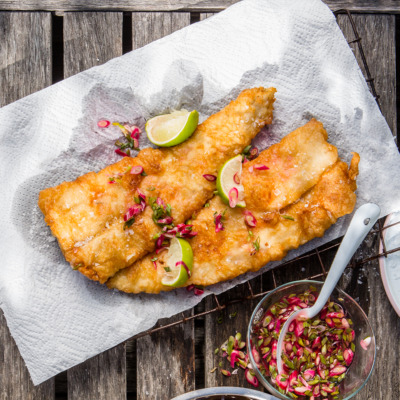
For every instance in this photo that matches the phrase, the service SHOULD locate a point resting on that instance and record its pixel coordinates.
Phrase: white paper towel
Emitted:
(59, 318)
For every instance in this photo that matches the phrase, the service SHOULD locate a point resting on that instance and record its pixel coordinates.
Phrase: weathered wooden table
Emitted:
(42, 42)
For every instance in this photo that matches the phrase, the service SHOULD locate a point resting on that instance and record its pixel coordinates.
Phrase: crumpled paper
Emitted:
(59, 318)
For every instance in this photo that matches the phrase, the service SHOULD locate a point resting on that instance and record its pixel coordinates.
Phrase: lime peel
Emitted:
(171, 129)
(229, 187)
(179, 263)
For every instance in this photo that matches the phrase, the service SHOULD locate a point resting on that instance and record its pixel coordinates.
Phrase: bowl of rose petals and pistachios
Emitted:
(330, 356)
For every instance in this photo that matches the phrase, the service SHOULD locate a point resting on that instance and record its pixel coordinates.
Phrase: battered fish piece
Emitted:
(233, 251)
(295, 165)
(77, 211)
(176, 176)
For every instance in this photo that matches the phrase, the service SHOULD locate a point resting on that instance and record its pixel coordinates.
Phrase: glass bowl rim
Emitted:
(305, 281)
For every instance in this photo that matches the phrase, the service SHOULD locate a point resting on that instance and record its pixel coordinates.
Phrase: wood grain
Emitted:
(166, 362)
(25, 67)
(364, 283)
(90, 39)
(25, 54)
(220, 325)
(204, 16)
(149, 26)
(383, 6)
(102, 377)
(377, 34)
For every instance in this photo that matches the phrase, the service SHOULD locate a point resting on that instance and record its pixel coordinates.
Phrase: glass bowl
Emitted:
(363, 363)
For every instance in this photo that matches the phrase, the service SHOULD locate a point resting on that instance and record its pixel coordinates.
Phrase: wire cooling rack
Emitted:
(376, 233)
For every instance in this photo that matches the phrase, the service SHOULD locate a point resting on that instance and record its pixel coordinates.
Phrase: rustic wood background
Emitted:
(44, 42)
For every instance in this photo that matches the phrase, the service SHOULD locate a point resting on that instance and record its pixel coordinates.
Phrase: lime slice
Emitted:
(228, 182)
(179, 251)
(171, 129)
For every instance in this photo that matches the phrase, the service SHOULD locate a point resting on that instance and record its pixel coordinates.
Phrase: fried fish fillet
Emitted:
(174, 174)
(315, 204)
(295, 165)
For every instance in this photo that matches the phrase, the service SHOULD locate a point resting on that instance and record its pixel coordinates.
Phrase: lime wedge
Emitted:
(171, 129)
(228, 182)
(179, 251)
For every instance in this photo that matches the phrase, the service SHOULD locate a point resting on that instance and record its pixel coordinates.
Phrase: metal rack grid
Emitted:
(378, 230)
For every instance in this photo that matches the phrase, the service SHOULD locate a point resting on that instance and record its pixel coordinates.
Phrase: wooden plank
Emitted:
(381, 6)
(25, 54)
(15, 382)
(377, 34)
(147, 27)
(220, 325)
(171, 351)
(364, 283)
(90, 39)
(204, 16)
(25, 67)
(101, 377)
(166, 362)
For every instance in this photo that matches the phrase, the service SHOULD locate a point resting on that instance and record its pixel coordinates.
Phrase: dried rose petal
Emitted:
(260, 167)
(252, 379)
(135, 132)
(293, 377)
(348, 356)
(141, 194)
(281, 381)
(189, 273)
(233, 197)
(234, 356)
(250, 219)
(316, 342)
(327, 389)
(132, 211)
(298, 331)
(236, 178)
(365, 342)
(321, 371)
(308, 374)
(136, 170)
(160, 241)
(345, 323)
(300, 390)
(197, 291)
(218, 223)
(274, 348)
(121, 153)
(160, 202)
(339, 370)
(304, 382)
(165, 221)
(209, 177)
(103, 123)
(335, 315)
